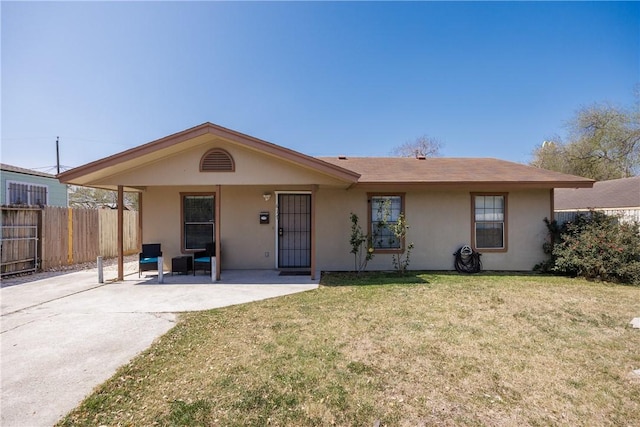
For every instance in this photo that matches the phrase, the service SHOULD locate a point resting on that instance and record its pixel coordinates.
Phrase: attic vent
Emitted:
(217, 160)
(421, 157)
(341, 157)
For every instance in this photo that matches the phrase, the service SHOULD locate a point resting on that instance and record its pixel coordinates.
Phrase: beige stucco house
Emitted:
(268, 207)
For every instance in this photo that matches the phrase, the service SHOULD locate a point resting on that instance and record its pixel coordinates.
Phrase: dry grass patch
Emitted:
(439, 349)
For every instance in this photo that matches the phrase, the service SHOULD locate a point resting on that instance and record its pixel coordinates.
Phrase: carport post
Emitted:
(120, 233)
(214, 270)
(100, 273)
(160, 270)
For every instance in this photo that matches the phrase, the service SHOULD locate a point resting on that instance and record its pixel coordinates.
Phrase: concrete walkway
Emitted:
(64, 335)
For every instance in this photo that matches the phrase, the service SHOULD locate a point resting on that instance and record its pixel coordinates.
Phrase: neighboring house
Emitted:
(269, 207)
(620, 197)
(25, 187)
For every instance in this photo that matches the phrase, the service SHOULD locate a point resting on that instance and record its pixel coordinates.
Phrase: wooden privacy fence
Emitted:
(57, 236)
(109, 232)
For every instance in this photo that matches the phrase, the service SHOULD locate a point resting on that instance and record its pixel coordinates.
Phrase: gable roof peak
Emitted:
(171, 142)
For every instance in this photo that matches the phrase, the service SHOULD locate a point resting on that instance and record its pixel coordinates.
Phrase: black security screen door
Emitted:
(294, 230)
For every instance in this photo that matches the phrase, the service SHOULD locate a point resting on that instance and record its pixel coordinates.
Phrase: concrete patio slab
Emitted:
(64, 335)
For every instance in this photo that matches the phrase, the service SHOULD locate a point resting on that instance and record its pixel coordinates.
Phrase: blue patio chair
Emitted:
(202, 259)
(149, 257)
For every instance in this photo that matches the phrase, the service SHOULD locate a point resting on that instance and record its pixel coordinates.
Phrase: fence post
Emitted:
(43, 241)
(70, 234)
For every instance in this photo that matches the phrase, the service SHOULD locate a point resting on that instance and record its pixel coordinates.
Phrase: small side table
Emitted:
(181, 264)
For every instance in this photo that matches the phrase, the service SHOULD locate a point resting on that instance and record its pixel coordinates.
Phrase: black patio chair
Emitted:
(149, 257)
(202, 259)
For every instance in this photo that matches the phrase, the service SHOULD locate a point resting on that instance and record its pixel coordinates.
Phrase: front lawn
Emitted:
(436, 349)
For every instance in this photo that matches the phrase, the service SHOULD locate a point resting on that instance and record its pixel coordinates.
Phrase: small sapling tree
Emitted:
(396, 233)
(361, 247)
(401, 260)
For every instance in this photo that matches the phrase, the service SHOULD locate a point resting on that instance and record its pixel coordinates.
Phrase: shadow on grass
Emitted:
(367, 278)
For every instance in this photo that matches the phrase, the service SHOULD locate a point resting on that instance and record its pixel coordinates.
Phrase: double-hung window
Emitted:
(489, 221)
(384, 211)
(198, 221)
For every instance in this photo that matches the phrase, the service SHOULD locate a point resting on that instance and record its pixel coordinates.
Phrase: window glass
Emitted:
(198, 208)
(385, 211)
(38, 195)
(198, 221)
(489, 214)
(489, 234)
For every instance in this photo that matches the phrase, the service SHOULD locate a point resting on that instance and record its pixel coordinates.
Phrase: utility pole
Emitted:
(58, 153)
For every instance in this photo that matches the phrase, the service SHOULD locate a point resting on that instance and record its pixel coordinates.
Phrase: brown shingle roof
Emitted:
(437, 170)
(616, 193)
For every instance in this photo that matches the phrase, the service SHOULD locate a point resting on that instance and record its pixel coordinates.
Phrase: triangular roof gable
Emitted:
(121, 162)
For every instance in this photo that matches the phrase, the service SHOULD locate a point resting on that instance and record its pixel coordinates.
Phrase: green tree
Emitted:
(603, 143)
(550, 156)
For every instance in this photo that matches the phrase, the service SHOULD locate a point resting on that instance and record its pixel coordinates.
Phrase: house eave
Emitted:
(471, 185)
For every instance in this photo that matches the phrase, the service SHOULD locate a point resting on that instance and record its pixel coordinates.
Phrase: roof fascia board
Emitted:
(473, 185)
(133, 153)
(603, 208)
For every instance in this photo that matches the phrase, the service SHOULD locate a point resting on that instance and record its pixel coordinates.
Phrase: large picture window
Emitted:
(489, 221)
(384, 211)
(198, 221)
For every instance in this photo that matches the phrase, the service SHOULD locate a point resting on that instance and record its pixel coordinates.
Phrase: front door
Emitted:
(294, 230)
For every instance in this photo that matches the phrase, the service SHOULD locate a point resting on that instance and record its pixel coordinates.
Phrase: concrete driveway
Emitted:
(64, 335)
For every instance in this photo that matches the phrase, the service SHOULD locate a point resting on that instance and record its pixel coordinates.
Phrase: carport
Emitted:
(255, 201)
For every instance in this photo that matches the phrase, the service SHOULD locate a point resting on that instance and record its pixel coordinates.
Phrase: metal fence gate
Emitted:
(20, 240)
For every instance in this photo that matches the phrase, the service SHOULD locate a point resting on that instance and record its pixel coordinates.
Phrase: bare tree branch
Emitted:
(424, 146)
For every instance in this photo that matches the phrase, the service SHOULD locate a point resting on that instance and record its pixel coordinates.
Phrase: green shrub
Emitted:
(594, 246)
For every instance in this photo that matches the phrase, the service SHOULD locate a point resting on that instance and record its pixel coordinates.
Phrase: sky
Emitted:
(486, 79)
